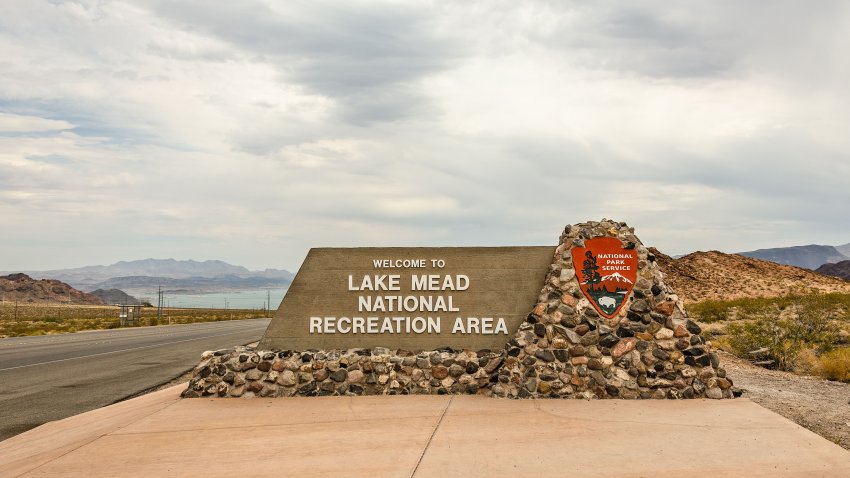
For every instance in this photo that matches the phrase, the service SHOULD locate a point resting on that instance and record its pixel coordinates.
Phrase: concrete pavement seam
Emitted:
(430, 438)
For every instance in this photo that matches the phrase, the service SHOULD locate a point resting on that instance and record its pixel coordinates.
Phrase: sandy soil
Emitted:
(814, 403)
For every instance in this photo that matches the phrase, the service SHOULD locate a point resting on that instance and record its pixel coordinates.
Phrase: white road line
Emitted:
(112, 352)
(119, 334)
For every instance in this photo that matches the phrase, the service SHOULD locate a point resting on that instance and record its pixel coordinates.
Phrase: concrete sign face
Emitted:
(408, 298)
(606, 273)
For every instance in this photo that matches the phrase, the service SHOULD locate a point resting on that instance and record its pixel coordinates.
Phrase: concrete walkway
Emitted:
(424, 436)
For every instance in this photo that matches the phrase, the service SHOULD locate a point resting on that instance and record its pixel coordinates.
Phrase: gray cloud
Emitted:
(250, 131)
(366, 56)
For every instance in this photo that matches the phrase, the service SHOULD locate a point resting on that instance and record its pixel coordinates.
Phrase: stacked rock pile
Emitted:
(649, 350)
(242, 372)
(564, 349)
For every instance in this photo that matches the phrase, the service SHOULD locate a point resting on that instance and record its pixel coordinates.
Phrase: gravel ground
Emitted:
(814, 403)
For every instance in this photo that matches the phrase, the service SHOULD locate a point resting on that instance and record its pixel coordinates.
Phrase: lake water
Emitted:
(245, 299)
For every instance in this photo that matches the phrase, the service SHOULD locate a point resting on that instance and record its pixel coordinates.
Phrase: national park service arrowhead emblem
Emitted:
(606, 273)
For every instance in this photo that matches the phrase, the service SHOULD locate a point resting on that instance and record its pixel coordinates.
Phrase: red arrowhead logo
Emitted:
(606, 273)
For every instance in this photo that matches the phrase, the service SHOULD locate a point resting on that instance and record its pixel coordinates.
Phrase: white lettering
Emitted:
(440, 305)
(462, 282)
(398, 263)
(418, 282)
(411, 303)
(452, 308)
(394, 325)
(366, 283)
(364, 303)
(438, 282)
(330, 325)
(458, 326)
(448, 284)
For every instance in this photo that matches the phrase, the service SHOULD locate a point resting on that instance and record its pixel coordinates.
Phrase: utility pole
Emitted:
(159, 305)
(268, 302)
(16, 309)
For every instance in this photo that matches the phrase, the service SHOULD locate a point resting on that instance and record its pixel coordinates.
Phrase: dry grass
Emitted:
(835, 365)
(42, 319)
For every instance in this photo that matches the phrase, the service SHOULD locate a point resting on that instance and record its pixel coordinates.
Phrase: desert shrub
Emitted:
(835, 365)
(709, 311)
(836, 305)
(778, 338)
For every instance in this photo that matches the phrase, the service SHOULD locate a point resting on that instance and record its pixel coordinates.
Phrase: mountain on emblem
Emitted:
(616, 277)
(606, 272)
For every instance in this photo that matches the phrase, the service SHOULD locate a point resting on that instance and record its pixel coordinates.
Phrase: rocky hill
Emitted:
(115, 296)
(714, 275)
(839, 269)
(25, 289)
(808, 257)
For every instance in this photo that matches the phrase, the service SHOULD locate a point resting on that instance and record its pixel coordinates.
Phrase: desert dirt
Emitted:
(819, 405)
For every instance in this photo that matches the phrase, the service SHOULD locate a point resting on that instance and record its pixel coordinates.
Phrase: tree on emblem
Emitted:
(591, 272)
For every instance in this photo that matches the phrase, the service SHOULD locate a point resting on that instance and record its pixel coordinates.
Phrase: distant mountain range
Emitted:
(807, 257)
(189, 275)
(839, 269)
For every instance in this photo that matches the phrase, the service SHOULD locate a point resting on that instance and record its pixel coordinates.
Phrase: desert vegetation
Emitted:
(804, 332)
(41, 319)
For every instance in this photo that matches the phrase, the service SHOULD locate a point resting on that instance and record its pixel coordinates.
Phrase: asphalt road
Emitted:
(51, 377)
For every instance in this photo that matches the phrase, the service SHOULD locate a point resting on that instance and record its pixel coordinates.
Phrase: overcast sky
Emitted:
(250, 131)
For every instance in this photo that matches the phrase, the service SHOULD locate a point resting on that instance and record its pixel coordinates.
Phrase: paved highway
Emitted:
(51, 377)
